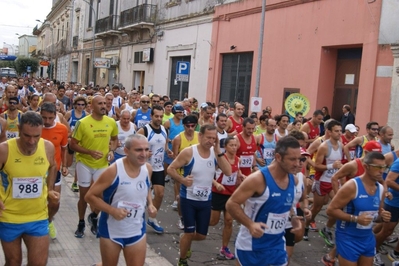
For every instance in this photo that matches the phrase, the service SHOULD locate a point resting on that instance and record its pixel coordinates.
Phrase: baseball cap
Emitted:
(204, 105)
(351, 128)
(178, 108)
(304, 152)
(373, 146)
(190, 119)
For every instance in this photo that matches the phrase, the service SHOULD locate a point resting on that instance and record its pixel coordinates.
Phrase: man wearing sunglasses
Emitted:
(372, 129)
(12, 117)
(142, 116)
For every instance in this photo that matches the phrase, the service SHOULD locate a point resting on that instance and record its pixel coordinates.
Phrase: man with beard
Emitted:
(91, 140)
(12, 117)
(64, 99)
(359, 142)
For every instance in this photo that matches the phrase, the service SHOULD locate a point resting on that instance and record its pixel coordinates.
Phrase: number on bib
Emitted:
(276, 223)
(135, 211)
(27, 187)
(246, 161)
(374, 214)
(201, 192)
(229, 180)
(268, 154)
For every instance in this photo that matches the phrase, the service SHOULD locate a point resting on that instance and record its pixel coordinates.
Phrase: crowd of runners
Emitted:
(271, 173)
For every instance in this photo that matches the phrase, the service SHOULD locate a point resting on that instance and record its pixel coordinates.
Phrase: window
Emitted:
(90, 14)
(138, 57)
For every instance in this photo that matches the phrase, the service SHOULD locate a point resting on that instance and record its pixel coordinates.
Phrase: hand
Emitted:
(260, 161)
(2, 207)
(307, 213)
(257, 229)
(110, 156)
(188, 181)
(364, 219)
(296, 223)
(385, 215)
(65, 171)
(53, 195)
(119, 213)
(337, 164)
(170, 154)
(220, 187)
(152, 211)
(96, 154)
(388, 195)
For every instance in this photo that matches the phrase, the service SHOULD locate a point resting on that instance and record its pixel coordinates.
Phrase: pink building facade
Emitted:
(327, 50)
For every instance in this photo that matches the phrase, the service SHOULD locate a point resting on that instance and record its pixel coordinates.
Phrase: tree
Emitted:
(10, 64)
(22, 63)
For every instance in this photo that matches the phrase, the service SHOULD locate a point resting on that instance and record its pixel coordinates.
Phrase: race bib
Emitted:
(246, 161)
(121, 140)
(12, 134)
(331, 172)
(157, 161)
(202, 192)
(135, 211)
(268, 154)
(276, 223)
(142, 123)
(229, 180)
(27, 187)
(374, 214)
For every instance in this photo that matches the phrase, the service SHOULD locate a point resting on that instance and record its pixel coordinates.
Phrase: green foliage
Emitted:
(10, 64)
(22, 62)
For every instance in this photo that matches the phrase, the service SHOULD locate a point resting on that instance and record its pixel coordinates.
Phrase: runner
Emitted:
(346, 137)
(234, 124)
(94, 140)
(359, 142)
(268, 197)
(246, 147)
(23, 206)
(312, 127)
(57, 134)
(122, 192)
(356, 206)
(142, 116)
(267, 143)
(125, 129)
(112, 111)
(282, 124)
(12, 117)
(196, 183)
(385, 136)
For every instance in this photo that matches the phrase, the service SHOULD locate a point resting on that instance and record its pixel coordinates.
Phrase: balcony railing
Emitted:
(75, 41)
(107, 24)
(140, 14)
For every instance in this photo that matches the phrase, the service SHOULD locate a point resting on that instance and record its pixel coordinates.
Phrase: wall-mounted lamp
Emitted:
(233, 47)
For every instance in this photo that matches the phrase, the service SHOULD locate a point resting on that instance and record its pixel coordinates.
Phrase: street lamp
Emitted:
(93, 74)
(52, 47)
(26, 39)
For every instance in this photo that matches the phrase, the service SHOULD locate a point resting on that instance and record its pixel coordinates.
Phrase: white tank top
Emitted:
(131, 194)
(157, 146)
(122, 135)
(129, 108)
(222, 137)
(203, 171)
(332, 156)
(298, 194)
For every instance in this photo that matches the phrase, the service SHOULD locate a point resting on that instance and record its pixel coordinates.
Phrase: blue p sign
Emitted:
(183, 68)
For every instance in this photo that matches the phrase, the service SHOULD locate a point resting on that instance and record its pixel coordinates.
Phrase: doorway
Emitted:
(174, 89)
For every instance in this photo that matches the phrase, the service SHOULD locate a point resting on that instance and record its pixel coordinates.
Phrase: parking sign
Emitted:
(182, 71)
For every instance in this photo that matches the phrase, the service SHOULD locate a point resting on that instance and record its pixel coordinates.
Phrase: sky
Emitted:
(19, 16)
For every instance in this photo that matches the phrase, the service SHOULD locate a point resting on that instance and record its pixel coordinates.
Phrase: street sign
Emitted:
(182, 71)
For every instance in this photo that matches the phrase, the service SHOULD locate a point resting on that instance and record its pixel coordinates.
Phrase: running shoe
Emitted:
(80, 232)
(313, 227)
(93, 227)
(75, 187)
(167, 178)
(180, 224)
(225, 252)
(377, 260)
(174, 205)
(327, 261)
(189, 253)
(305, 235)
(154, 225)
(391, 239)
(90, 218)
(52, 231)
(382, 250)
(392, 256)
(328, 237)
(182, 262)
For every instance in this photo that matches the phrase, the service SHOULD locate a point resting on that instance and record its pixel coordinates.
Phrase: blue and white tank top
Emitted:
(141, 119)
(157, 143)
(395, 200)
(112, 112)
(268, 148)
(272, 207)
(384, 175)
(203, 171)
(363, 202)
(122, 135)
(129, 193)
(299, 187)
(73, 119)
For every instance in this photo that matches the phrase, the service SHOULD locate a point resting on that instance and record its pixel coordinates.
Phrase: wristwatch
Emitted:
(220, 154)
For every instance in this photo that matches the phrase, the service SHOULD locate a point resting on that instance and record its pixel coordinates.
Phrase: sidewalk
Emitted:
(68, 250)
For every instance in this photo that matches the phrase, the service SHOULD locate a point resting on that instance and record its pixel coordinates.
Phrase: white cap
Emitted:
(204, 105)
(351, 128)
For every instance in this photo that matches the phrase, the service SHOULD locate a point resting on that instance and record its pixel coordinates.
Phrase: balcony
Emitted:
(138, 17)
(75, 41)
(36, 31)
(107, 26)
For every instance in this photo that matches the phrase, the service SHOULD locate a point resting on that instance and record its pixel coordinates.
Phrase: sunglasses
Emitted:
(80, 104)
(374, 129)
(147, 102)
(190, 125)
(302, 159)
(155, 101)
(13, 103)
(379, 167)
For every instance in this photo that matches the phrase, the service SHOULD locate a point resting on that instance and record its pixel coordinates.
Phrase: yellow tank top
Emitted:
(184, 143)
(12, 125)
(24, 186)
